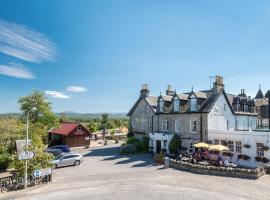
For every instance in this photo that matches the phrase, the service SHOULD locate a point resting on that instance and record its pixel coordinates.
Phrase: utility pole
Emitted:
(26, 149)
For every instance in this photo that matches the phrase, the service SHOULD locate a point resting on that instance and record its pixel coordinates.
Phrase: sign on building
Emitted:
(42, 172)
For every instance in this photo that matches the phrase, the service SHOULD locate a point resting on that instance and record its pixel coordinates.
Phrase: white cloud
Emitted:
(56, 94)
(24, 43)
(76, 89)
(17, 71)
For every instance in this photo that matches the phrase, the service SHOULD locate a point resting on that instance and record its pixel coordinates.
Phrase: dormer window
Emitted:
(161, 105)
(193, 103)
(176, 104)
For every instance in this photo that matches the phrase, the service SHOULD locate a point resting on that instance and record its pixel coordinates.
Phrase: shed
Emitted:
(72, 134)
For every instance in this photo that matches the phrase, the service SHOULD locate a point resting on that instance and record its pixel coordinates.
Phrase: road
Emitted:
(107, 175)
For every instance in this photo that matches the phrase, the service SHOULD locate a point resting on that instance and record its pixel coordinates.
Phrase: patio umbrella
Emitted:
(218, 147)
(201, 145)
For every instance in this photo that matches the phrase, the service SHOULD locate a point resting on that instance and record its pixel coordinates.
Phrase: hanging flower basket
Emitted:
(259, 159)
(247, 146)
(265, 160)
(243, 157)
(265, 148)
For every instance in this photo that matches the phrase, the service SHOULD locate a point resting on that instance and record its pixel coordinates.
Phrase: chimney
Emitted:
(218, 84)
(145, 91)
(170, 91)
(243, 94)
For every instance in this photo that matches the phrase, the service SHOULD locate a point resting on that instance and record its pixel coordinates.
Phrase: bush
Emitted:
(159, 158)
(175, 144)
(127, 149)
(140, 146)
(4, 160)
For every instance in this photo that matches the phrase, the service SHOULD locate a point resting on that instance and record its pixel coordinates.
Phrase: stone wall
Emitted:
(219, 171)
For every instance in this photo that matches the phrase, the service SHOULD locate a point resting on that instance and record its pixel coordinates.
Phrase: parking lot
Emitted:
(105, 174)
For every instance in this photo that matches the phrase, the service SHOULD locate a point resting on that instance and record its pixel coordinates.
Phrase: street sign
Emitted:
(26, 155)
(42, 172)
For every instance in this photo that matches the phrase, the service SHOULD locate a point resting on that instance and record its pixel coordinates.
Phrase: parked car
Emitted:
(67, 159)
(55, 152)
(63, 148)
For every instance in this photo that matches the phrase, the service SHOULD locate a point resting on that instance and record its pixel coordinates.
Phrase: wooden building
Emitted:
(72, 134)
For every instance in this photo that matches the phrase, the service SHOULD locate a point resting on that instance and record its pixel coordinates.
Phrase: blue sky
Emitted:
(93, 56)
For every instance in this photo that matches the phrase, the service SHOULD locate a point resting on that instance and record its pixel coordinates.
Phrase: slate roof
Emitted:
(206, 101)
(259, 94)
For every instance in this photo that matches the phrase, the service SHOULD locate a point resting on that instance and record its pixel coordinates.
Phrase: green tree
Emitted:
(39, 110)
(104, 120)
(175, 144)
(267, 94)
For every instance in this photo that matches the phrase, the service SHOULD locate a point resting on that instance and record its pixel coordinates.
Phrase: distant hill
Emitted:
(71, 114)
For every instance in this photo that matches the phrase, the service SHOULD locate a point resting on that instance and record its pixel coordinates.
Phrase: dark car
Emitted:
(55, 152)
(63, 148)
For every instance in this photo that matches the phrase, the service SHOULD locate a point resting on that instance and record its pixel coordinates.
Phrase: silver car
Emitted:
(67, 159)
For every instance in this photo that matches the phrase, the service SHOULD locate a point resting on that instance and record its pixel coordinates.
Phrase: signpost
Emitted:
(22, 150)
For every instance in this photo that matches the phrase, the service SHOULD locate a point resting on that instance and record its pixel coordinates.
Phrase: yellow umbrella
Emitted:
(218, 147)
(201, 145)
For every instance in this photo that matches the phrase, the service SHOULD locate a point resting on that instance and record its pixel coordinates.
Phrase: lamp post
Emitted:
(26, 148)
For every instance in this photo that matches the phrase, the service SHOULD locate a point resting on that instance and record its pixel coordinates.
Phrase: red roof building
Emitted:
(72, 134)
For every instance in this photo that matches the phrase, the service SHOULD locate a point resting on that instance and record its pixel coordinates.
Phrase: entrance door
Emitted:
(158, 146)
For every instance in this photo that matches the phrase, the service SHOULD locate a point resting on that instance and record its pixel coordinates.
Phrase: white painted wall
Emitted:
(160, 136)
(246, 137)
(218, 116)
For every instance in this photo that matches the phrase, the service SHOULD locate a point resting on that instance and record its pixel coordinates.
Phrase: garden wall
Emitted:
(219, 171)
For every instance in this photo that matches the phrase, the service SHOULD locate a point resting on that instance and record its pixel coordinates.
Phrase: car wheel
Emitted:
(77, 163)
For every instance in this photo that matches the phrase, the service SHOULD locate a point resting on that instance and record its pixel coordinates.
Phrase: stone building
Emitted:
(191, 115)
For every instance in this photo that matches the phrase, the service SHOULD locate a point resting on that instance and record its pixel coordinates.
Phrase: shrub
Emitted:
(175, 144)
(141, 146)
(243, 157)
(127, 149)
(259, 158)
(4, 160)
(265, 148)
(265, 160)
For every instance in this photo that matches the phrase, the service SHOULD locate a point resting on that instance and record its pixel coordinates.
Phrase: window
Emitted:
(161, 106)
(216, 141)
(231, 145)
(150, 123)
(223, 142)
(193, 104)
(238, 147)
(260, 151)
(165, 125)
(176, 105)
(193, 126)
(177, 126)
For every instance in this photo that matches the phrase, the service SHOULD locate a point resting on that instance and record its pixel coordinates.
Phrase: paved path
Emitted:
(107, 175)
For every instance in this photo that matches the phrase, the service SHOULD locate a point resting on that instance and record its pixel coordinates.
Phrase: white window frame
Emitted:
(231, 145)
(259, 149)
(192, 124)
(165, 125)
(176, 104)
(193, 104)
(177, 126)
(161, 106)
(238, 146)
